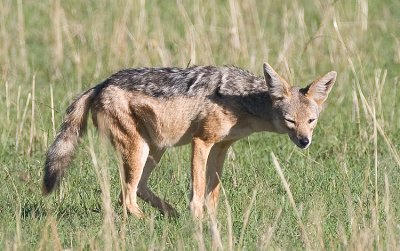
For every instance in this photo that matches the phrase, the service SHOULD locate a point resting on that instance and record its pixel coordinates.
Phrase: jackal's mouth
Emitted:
(302, 142)
(303, 147)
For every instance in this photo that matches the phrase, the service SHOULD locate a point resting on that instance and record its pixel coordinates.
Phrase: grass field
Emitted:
(343, 191)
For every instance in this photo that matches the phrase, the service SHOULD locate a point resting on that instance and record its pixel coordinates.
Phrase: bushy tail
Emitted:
(60, 153)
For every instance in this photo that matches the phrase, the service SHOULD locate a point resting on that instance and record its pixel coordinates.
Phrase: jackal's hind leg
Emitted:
(113, 119)
(144, 191)
(134, 157)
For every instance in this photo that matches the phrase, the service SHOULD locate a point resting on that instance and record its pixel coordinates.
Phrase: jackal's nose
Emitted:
(304, 142)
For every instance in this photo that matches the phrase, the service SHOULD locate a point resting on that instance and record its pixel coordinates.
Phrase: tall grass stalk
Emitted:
(291, 200)
(23, 57)
(32, 130)
(110, 235)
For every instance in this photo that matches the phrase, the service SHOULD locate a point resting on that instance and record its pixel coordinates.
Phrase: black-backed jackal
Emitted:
(146, 110)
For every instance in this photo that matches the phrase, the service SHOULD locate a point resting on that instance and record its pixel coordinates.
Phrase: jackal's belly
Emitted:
(173, 129)
(168, 122)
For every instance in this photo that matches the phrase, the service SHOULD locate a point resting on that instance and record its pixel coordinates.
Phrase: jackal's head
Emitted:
(295, 110)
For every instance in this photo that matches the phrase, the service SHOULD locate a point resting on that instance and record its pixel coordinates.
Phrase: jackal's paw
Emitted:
(135, 211)
(131, 207)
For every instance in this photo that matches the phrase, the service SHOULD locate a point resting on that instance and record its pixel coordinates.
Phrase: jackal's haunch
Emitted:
(144, 111)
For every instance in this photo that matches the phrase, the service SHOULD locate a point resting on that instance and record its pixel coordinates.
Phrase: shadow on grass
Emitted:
(33, 210)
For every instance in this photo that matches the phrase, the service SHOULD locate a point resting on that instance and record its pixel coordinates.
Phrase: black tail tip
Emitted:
(47, 187)
(50, 182)
(45, 190)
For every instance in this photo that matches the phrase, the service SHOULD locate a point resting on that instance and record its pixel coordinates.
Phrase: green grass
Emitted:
(345, 186)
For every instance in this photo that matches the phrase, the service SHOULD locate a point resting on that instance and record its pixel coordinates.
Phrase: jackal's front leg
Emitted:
(200, 151)
(215, 164)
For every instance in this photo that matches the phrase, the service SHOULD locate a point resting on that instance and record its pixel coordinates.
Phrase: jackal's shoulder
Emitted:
(192, 81)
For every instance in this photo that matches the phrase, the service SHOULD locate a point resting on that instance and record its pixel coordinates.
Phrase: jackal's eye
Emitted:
(290, 121)
(310, 121)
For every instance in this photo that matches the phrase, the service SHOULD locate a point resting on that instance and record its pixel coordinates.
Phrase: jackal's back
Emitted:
(192, 81)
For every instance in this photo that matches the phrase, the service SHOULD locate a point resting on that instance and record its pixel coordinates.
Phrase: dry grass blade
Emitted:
(246, 218)
(375, 210)
(367, 107)
(390, 236)
(379, 128)
(21, 125)
(53, 121)
(55, 235)
(7, 102)
(32, 132)
(215, 234)
(267, 237)
(199, 235)
(110, 234)
(291, 200)
(229, 219)
(58, 47)
(191, 32)
(18, 211)
(21, 37)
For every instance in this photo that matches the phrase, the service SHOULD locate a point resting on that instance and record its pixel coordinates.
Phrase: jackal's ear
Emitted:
(320, 88)
(277, 87)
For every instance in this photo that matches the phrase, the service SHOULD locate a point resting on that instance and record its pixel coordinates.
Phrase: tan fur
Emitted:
(142, 126)
(151, 129)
